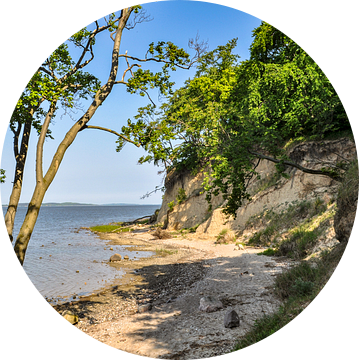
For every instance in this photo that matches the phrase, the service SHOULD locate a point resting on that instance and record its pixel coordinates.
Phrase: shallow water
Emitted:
(63, 261)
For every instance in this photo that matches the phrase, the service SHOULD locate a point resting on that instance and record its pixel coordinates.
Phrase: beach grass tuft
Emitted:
(117, 228)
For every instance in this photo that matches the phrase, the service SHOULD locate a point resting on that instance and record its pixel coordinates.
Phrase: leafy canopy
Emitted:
(230, 112)
(55, 81)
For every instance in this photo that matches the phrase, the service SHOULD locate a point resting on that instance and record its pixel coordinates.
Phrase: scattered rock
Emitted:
(126, 257)
(144, 308)
(161, 234)
(70, 317)
(231, 319)
(77, 271)
(270, 264)
(115, 257)
(210, 304)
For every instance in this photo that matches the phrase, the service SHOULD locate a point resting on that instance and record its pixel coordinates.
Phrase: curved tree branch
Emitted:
(325, 172)
(110, 131)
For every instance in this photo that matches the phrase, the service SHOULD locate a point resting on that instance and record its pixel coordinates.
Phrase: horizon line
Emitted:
(87, 204)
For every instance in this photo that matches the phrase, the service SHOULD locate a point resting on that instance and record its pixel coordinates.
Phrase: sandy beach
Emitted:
(154, 309)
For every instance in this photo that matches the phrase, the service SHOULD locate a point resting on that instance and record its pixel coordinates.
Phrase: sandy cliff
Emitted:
(269, 192)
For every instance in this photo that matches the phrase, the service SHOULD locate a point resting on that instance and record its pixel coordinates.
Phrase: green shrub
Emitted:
(255, 239)
(181, 196)
(302, 288)
(264, 237)
(193, 228)
(299, 243)
(268, 252)
(171, 205)
(318, 203)
(295, 281)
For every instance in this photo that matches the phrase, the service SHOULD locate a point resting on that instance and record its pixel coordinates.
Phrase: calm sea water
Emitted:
(58, 249)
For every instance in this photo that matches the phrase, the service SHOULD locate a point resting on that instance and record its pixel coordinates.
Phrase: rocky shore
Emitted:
(154, 310)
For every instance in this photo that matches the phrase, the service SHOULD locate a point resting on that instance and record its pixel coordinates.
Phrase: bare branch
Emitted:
(110, 131)
(149, 97)
(138, 18)
(129, 68)
(199, 46)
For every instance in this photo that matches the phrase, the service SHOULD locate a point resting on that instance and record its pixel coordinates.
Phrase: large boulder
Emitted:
(210, 304)
(115, 257)
(231, 319)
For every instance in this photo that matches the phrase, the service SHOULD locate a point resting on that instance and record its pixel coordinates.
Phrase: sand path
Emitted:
(175, 328)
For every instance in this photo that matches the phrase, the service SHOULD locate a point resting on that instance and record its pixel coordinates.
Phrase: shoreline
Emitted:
(159, 296)
(136, 242)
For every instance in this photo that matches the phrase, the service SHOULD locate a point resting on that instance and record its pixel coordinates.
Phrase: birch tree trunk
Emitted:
(18, 178)
(43, 182)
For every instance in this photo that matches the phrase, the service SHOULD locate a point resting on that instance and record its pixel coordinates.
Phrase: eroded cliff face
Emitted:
(270, 192)
(193, 210)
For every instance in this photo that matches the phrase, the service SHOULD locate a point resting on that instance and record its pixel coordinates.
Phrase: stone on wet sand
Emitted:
(115, 257)
(144, 308)
(210, 304)
(70, 317)
(231, 319)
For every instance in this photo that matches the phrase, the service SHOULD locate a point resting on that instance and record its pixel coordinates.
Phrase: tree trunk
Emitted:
(43, 182)
(18, 178)
(28, 225)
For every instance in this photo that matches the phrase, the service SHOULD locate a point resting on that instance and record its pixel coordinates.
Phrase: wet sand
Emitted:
(145, 279)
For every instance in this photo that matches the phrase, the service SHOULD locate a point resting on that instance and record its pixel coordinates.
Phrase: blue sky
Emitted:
(92, 171)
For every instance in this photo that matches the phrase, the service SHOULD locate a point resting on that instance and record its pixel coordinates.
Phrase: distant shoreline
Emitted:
(83, 204)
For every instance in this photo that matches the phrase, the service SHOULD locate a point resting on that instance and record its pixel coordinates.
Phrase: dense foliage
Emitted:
(55, 81)
(230, 114)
